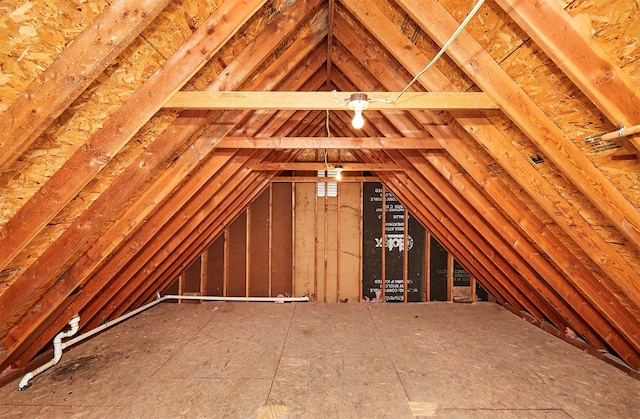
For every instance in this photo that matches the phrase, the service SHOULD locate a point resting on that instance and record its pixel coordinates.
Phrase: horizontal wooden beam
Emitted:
(346, 167)
(315, 179)
(328, 100)
(348, 143)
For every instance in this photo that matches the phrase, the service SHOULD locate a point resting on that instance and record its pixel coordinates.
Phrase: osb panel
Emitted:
(567, 104)
(613, 25)
(576, 116)
(236, 44)
(564, 97)
(491, 27)
(482, 155)
(169, 30)
(308, 155)
(109, 91)
(416, 35)
(516, 189)
(625, 174)
(546, 168)
(571, 111)
(32, 34)
(606, 231)
(320, 13)
(134, 148)
(86, 115)
(177, 22)
(304, 251)
(332, 350)
(567, 108)
(115, 218)
(197, 11)
(81, 120)
(373, 44)
(552, 91)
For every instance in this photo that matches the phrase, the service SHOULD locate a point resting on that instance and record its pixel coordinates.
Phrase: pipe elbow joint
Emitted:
(24, 383)
(75, 324)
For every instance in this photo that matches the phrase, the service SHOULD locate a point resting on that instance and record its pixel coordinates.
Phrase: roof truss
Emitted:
(247, 93)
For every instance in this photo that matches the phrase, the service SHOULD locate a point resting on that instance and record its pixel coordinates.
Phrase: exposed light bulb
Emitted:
(358, 103)
(358, 120)
(338, 173)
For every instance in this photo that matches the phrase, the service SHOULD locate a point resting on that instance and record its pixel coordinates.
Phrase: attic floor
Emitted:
(309, 360)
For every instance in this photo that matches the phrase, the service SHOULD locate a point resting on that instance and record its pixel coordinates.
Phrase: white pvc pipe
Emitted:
(58, 345)
(179, 297)
(111, 323)
(254, 299)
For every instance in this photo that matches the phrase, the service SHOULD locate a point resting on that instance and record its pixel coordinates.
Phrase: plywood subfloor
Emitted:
(311, 360)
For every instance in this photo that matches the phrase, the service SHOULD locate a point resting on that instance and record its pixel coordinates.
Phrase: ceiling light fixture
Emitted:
(338, 169)
(358, 102)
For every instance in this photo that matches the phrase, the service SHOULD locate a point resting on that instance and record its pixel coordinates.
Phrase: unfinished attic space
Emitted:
(322, 208)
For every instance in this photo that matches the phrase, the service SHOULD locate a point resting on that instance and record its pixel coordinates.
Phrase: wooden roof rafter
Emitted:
(195, 244)
(183, 128)
(593, 338)
(178, 234)
(406, 53)
(120, 127)
(470, 56)
(585, 63)
(537, 270)
(522, 228)
(61, 83)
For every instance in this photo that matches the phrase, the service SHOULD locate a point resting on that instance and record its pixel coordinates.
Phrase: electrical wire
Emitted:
(335, 98)
(326, 163)
(431, 63)
(443, 49)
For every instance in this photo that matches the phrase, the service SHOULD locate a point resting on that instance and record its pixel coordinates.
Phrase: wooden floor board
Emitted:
(311, 360)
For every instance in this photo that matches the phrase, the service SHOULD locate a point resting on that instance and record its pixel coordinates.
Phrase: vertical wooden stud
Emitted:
(338, 236)
(270, 238)
(247, 259)
(180, 286)
(360, 238)
(325, 241)
(427, 267)
(472, 284)
(383, 237)
(405, 256)
(449, 277)
(204, 259)
(315, 244)
(294, 292)
(225, 261)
